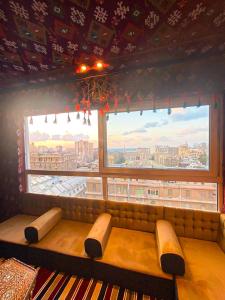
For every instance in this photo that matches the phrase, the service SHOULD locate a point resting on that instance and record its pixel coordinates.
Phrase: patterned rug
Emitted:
(59, 286)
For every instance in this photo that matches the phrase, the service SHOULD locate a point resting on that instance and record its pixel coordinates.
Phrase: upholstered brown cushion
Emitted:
(205, 271)
(203, 225)
(98, 236)
(42, 225)
(222, 232)
(170, 253)
(12, 230)
(222, 220)
(73, 208)
(134, 216)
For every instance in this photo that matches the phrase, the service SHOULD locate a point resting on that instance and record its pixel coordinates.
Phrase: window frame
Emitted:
(213, 174)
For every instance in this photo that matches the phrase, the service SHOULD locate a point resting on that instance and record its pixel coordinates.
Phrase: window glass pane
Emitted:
(68, 186)
(194, 195)
(62, 146)
(159, 140)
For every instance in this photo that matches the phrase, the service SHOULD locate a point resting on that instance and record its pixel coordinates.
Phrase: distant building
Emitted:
(84, 151)
(52, 161)
(167, 156)
(174, 194)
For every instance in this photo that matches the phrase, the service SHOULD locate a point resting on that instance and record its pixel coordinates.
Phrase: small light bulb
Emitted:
(83, 68)
(99, 65)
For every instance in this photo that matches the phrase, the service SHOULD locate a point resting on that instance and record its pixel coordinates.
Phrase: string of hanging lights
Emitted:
(93, 94)
(99, 92)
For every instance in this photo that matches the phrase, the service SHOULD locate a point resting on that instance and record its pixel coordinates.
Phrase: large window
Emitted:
(70, 186)
(55, 144)
(158, 140)
(196, 195)
(157, 158)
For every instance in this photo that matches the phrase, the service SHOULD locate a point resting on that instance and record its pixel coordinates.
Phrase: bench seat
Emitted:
(12, 230)
(205, 271)
(127, 249)
(67, 237)
(133, 250)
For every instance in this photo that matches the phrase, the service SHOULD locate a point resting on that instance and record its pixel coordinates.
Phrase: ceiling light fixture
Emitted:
(83, 68)
(99, 65)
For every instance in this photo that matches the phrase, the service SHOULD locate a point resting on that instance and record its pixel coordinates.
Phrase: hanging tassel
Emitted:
(115, 113)
(31, 121)
(67, 108)
(141, 112)
(46, 119)
(101, 112)
(84, 121)
(199, 102)
(116, 103)
(154, 110)
(107, 117)
(89, 121)
(184, 105)
(77, 107)
(68, 118)
(107, 107)
(169, 108)
(78, 115)
(55, 121)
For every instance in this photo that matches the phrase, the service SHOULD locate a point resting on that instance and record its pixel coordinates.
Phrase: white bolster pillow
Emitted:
(42, 225)
(97, 238)
(170, 253)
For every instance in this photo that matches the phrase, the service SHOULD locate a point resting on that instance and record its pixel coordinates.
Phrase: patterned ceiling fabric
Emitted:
(44, 37)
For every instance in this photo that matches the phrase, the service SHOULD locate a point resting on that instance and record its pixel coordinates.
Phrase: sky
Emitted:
(75, 127)
(189, 125)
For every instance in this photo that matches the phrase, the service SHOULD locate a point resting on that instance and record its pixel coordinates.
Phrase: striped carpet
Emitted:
(59, 286)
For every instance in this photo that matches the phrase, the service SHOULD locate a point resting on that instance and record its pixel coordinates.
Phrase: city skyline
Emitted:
(159, 128)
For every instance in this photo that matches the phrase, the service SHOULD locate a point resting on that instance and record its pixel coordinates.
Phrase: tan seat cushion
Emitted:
(97, 238)
(133, 250)
(222, 232)
(67, 237)
(205, 271)
(35, 231)
(12, 230)
(169, 250)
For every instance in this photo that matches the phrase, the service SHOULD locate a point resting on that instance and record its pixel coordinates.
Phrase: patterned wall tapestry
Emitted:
(43, 37)
(9, 191)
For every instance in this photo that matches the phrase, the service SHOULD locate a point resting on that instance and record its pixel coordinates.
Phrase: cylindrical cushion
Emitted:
(222, 221)
(97, 238)
(170, 253)
(42, 225)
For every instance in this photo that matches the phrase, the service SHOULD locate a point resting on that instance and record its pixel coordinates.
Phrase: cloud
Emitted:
(155, 124)
(164, 122)
(146, 126)
(141, 130)
(197, 114)
(191, 131)
(151, 124)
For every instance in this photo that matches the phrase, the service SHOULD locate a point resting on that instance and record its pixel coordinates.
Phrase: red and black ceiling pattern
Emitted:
(44, 37)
